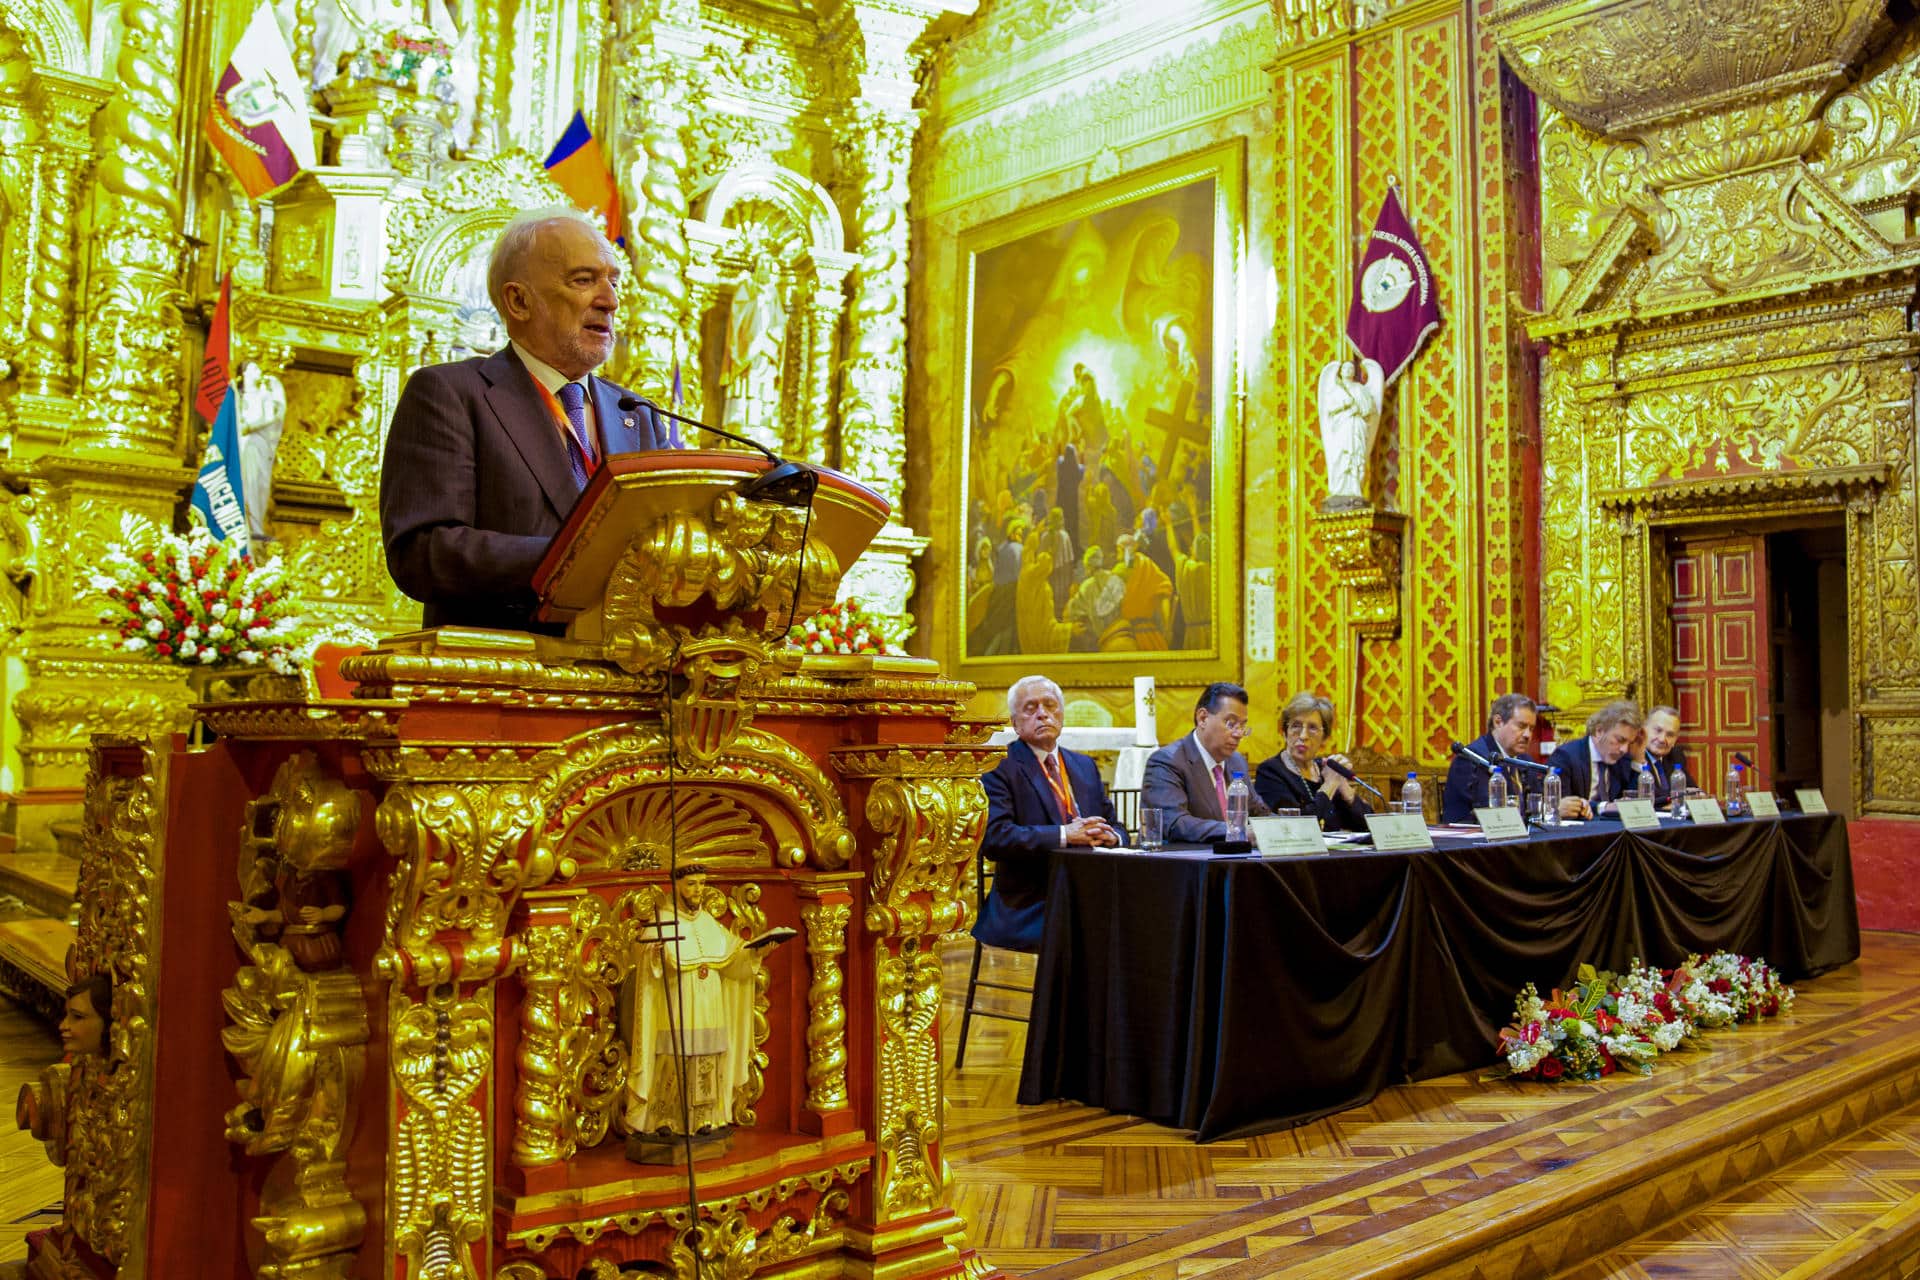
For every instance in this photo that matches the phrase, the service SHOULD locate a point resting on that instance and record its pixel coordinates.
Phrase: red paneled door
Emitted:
(1721, 681)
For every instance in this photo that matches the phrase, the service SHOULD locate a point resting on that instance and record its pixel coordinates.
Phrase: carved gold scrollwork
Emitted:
(606, 767)
(631, 832)
(728, 1248)
(721, 672)
(931, 805)
(909, 1062)
(572, 1060)
(826, 924)
(742, 556)
(465, 852)
(442, 1052)
(110, 1100)
(1364, 546)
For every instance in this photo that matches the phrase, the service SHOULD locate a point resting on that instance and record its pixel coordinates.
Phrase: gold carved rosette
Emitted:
(926, 809)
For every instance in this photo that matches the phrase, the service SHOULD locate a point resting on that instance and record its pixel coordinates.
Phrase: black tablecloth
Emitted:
(1237, 996)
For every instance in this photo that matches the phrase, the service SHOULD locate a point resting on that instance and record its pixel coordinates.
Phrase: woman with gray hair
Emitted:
(1299, 777)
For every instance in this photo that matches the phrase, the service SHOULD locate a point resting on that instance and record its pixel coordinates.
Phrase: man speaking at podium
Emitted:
(486, 455)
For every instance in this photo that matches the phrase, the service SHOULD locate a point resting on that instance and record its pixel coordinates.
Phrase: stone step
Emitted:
(33, 955)
(43, 881)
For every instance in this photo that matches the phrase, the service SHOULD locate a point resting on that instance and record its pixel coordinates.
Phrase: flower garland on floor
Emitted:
(188, 599)
(1611, 1022)
(842, 627)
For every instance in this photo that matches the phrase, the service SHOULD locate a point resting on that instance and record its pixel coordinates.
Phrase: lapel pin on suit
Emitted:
(627, 423)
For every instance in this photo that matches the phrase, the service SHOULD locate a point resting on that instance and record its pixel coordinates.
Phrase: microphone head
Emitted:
(1456, 747)
(1741, 756)
(629, 403)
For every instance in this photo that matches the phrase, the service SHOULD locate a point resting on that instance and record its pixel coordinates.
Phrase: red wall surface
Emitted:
(1886, 872)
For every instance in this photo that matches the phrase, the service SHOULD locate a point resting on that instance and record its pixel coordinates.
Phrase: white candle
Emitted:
(1146, 728)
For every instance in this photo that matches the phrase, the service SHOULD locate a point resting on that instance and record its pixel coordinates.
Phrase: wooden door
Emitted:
(1721, 652)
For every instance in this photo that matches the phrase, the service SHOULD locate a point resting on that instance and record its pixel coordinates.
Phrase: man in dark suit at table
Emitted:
(1593, 769)
(1509, 733)
(1039, 798)
(1188, 779)
(486, 455)
(1663, 753)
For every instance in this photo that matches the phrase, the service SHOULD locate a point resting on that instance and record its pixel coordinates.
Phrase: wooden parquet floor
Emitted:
(30, 1186)
(1791, 1148)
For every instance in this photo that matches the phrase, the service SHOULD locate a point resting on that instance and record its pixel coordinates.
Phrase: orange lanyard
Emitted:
(560, 420)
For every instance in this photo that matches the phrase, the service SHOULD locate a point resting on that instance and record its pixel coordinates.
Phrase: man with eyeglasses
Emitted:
(1188, 779)
(1509, 732)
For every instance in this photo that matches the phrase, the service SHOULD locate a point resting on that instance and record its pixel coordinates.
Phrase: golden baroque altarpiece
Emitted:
(755, 148)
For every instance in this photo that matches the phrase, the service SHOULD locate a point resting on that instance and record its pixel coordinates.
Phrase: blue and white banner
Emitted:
(218, 494)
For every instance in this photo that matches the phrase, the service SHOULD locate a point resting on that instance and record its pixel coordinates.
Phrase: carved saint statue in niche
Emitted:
(756, 340)
(263, 417)
(691, 1038)
(1350, 409)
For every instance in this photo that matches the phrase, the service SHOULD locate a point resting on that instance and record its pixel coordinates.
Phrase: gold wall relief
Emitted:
(929, 805)
(907, 1061)
(826, 925)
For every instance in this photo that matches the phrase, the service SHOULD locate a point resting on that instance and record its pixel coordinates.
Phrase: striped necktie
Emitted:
(573, 398)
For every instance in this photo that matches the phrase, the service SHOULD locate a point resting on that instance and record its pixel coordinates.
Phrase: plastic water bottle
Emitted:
(1410, 795)
(1550, 791)
(1497, 790)
(1645, 791)
(1237, 807)
(1677, 793)
(1736, 791)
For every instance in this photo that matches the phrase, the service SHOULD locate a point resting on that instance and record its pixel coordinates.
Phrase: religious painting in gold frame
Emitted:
(1100, 434)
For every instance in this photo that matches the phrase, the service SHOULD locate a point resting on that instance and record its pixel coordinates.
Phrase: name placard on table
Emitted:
(1286, 836)
(1638, 815)
(1705, 811)
(1501, 823)
(1762, 804)
(1810, 801)
(1399, 832)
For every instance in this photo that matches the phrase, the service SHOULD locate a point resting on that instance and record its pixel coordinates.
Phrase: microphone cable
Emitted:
(676, 1031)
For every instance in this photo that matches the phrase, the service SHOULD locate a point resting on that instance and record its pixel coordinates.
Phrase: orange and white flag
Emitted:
(258, 120)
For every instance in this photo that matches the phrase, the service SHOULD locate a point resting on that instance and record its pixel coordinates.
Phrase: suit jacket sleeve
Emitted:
(1256, 805)
(1090, 784)
(1007, 836)
(1163, 787)
(1572, 766)
(429, 502)
(1466, 787)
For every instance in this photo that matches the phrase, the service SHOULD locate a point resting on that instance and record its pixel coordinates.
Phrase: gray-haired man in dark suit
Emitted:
(1188, 779)
(486, 456)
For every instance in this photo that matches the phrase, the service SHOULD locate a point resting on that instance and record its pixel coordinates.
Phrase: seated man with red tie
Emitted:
(1041, 797)
(1188, 779)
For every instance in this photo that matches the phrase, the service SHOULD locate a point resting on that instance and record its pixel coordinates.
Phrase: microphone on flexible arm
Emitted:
(1521, 763)
(1741, 758)
(1348, 774)
(1460, 749)
(791, 484)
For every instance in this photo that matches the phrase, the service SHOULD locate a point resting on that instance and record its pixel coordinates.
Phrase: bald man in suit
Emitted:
(486, 456)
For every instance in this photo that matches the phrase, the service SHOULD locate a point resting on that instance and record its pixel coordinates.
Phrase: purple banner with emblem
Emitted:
(1395, 304)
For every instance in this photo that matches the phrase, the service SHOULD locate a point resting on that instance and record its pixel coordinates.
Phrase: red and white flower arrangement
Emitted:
(842, 627)
(1610, 1022)
(189, 599)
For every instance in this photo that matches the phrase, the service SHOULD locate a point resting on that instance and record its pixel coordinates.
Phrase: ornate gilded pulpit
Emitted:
(379, 963)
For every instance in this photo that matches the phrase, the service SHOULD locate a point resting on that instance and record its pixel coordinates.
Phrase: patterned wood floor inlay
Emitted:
(30, 1185)
(1791, 1148)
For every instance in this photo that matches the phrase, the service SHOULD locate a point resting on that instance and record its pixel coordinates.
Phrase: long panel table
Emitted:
(1234, 996)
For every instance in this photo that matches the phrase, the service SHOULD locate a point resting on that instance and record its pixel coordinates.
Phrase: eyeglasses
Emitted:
(1306, 729)
(1234, 724)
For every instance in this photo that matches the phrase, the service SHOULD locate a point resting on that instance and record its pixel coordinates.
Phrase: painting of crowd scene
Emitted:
(1089, 517)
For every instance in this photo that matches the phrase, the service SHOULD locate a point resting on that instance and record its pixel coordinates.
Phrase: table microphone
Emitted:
(1348, 774)
(1741, 758)
(1475, 756)
(791, 484)
(1519, 763)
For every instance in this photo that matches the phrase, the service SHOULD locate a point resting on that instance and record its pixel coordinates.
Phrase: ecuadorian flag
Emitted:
(579, 169)
(219, 494)
(258, 118)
